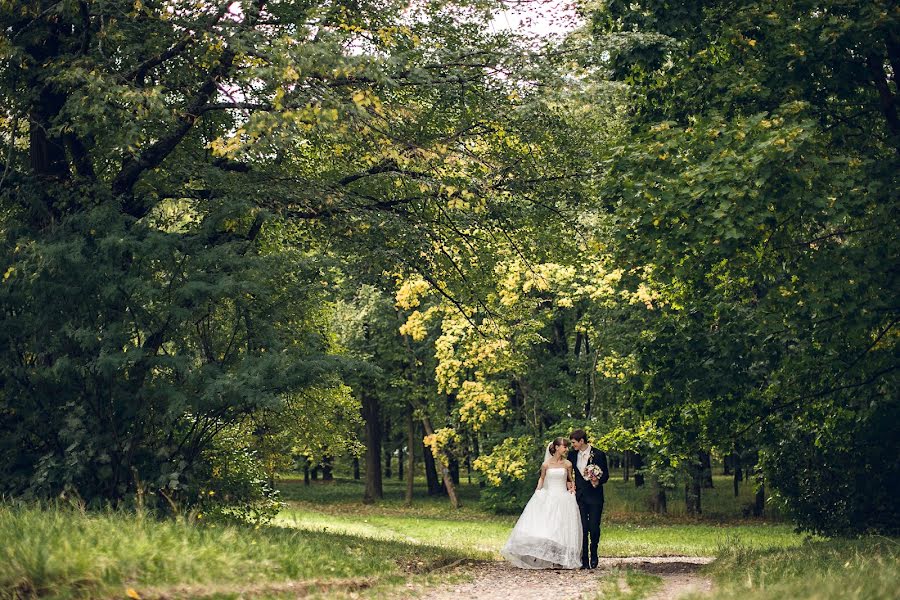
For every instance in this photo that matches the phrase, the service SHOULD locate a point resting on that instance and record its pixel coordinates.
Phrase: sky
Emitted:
(538, 17)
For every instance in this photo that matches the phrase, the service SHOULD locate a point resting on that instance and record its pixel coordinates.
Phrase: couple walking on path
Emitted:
(560, 525)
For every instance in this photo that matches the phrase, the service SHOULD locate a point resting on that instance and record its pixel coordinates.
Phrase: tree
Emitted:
(173, 174)
(759, 182)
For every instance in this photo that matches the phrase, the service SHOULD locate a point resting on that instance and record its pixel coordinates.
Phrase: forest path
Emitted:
(498, 579)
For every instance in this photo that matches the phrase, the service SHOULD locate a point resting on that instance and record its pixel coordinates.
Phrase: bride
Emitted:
(548, 533)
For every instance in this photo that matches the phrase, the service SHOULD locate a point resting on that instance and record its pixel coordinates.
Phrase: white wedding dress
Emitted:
(548, 533)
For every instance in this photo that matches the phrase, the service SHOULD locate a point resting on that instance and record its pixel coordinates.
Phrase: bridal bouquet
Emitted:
(593, 471)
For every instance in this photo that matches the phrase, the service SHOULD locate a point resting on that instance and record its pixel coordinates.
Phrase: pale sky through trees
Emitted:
(538, 17)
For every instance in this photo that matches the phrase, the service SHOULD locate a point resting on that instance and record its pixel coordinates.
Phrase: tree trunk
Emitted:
(692, 489)
(638, 465)
(388, 451)
(445, 472)
(726, 465)
(306, 473)
(658, 499)
(400, 463)
(626, 465)
(356, 468)
(453, 467)
(315, 472)
(370, 412)
(738, 473)
(759, 503)
(477, 452)
(410, 455)
(706, 469)
(431, 476)
(327, 468)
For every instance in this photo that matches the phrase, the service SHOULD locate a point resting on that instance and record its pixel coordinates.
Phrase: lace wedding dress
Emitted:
(548, 533)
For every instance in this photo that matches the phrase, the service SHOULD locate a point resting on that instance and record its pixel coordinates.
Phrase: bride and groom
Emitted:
(560, 525)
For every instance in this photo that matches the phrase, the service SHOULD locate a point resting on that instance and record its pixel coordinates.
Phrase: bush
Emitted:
(511, 471)
(839, 476)
(232, 485)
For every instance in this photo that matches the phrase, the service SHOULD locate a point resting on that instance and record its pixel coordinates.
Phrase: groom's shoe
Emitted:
(584, 566)
(594, 562)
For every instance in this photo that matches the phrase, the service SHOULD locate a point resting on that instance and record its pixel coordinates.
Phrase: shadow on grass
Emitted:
(60, 553)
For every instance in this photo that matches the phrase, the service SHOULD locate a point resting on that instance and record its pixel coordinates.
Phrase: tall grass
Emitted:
(863, 569)
(56, 552)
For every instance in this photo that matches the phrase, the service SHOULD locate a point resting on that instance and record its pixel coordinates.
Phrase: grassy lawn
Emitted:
(336, 507)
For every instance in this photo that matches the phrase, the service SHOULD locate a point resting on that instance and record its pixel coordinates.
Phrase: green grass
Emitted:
(487, 535)
(864, 569)
(624, 501)
(628, 585)
(331, 545)
(55, 552)
(336, 507)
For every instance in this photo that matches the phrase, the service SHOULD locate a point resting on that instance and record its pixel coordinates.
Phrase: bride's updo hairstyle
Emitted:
(560, 441)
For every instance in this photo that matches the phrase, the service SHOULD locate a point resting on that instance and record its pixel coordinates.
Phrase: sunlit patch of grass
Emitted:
(54, 552)
(862, 569)
(627, 585)
(486, 536)
(625, 503)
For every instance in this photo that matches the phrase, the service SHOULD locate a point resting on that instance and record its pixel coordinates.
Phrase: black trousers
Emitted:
(590, 530)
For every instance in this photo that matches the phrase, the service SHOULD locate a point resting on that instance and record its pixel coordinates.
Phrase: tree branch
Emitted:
(887, 99)
(139, 72)
(133, 168)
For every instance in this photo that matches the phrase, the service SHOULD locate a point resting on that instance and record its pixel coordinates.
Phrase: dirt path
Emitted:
(499, 579)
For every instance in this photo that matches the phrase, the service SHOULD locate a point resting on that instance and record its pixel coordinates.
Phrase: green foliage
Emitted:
(169, 203)
(132, 347)
(757, 185)
(511, 469)
(232, 484)
(815, 469)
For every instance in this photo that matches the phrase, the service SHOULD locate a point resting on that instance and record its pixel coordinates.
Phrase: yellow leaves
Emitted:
(441, 440)
(9, 273)
(132, 593)
(751, 42)
(410, 292)
(363, 99)
(480, 403)
(616, 367)
(508, 460)
(416, 325)
(645, 295)
(228, 146)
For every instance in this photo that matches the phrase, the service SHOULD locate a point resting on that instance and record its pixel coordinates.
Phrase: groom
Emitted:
(588, 493)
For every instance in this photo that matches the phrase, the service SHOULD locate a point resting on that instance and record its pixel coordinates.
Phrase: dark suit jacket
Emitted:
(585, 492)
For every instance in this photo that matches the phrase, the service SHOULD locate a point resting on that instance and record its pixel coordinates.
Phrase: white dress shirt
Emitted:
(583, 456)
